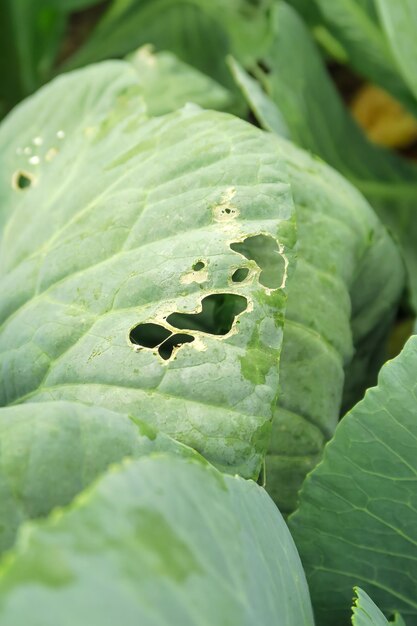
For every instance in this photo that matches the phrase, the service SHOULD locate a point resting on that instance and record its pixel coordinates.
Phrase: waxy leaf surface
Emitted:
(132, 263)
(158, 541)
(50, 451)
(356, 523)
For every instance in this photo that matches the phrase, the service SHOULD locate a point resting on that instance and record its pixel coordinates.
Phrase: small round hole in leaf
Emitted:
(149, 335)
(199, 265)
(22, 180)
(240, 274)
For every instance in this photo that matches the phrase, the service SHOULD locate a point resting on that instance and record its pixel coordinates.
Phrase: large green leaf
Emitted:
(356, 523)
(50, 451)
(400, 21)
(348, 280)
(355, 306)
(129, 229)
(33, 135)
(160, 84)
(317, 119)
(366, 613)
(158, 541)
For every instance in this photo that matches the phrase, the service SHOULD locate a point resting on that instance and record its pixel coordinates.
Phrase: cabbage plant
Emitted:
(191, 302)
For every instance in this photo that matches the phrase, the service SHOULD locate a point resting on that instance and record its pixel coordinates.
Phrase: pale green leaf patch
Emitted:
(161, 540)
(50, 451)
(119, 263)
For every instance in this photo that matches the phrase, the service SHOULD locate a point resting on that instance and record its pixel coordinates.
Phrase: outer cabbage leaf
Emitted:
(24, 149)
(132, 222)
(356, 520)
(353, 312)
(342, 296)
(50, 451)
(317, 119)
(158, 541)
(135, 91)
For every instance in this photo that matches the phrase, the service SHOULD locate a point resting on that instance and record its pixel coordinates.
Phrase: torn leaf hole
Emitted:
(22, 180)
(240, 275)
(175, 341)
(198, 266)
(217, 316)
(264, 250)
(149, 335)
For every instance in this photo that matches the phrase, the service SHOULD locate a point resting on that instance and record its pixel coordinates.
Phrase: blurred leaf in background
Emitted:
(34, 43)
(200, 32)
(30, 35)
(356, 26)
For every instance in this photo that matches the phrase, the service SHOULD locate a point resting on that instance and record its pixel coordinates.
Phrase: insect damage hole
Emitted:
(225, 210)
(217, 315)
(198, 273)
(22, 180)
(175, 341)
(240, 275)
(149, 335)
(264, 250)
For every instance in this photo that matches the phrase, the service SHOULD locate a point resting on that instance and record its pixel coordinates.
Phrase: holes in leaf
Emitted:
(225, 213)
(22, 180)
(225, 210)
(216, 317)
(149, 335)
(166, 349)
(198, 273)
(264, 250)
(240, 274)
